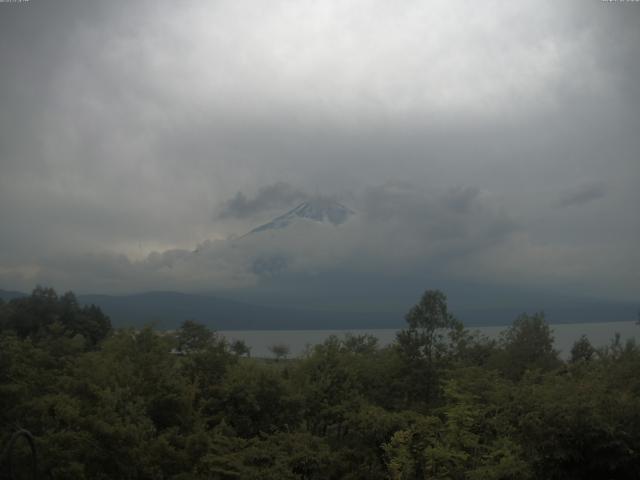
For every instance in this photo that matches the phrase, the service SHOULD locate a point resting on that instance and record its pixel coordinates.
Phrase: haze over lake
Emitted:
(599, 334)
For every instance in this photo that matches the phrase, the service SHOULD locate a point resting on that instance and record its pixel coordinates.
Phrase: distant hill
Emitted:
(167, 310)
(7, 295)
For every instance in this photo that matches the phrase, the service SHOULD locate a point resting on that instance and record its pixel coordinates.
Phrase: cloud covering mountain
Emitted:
(399, 231)
(494, 142)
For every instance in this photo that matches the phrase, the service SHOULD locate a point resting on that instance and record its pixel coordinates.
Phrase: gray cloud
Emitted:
(397, 227)
(582, 194)
(433, 225)
(278, 195)
(123, 125)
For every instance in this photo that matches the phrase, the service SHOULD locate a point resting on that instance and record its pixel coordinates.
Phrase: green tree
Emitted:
(582, 350)
(583, 425)
(429, 323)
(528, 344)
(240, 348)
(465, 440)
(426, 344)
(281, 456)
(194, 337)
(328, 384)
(256, 398)
(44, 315)
(280, 350)
(206, 361)
(360, 344)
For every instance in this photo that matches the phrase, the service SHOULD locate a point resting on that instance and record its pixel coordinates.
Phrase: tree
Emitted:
(193, 337)
(528, 344)
(424, 344)
(206, 361)
(44, 315)
(582, 350)
(464, 442)
(428, 322)
(360, 344)
(280, 350)
(254, 398)
(240, 348)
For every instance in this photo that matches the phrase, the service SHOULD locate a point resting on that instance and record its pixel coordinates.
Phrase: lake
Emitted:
(599, 334)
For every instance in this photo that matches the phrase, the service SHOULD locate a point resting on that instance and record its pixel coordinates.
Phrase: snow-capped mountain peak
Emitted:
(319, 209)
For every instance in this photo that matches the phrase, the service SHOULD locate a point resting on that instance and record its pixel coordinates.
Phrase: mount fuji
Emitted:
(319, 209)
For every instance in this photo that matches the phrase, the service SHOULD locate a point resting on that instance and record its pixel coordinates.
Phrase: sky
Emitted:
(493, 142)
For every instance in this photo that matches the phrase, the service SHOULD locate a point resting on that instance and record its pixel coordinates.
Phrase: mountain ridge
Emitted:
(167, 309)
(319, 209)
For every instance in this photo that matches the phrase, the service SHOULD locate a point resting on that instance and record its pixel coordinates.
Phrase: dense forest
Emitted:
(441, 402)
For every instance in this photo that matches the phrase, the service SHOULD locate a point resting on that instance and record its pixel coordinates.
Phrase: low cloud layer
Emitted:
(582, 194)
(399, 230)
(277, 196)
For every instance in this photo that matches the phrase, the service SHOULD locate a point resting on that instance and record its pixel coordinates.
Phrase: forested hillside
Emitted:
(439, 403)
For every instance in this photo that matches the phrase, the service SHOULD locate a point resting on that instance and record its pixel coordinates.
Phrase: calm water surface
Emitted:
(599, 334)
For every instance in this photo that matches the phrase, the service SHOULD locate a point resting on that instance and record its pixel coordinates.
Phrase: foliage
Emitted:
(193, 337)
(527, 345)
(427, 345)
(280, 350)
(44, 315)
(240, 348)
(582, 350)
(440, 403)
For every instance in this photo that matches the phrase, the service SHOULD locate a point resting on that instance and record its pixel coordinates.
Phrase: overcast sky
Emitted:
(492, 141)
